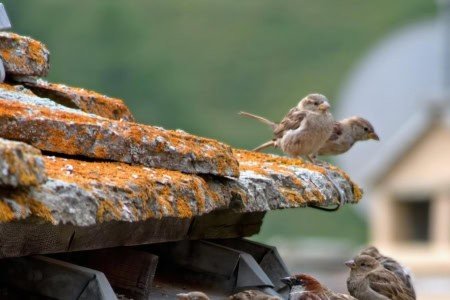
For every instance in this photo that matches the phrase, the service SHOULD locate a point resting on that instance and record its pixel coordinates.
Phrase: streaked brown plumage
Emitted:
(391, 265)
(253, 295)
(369, 280)
(346, 133)
(304, 129)
(306, 287)
(192, 296)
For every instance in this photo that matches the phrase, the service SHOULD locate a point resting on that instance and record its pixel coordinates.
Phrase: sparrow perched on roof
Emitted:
(346, 133)
(370, 280)
(253, 295)
(192, 296)
(391, 265)
(304, 129)
(305, 287)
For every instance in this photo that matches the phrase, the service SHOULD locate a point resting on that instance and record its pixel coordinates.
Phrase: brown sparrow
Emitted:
(370, 280)
(346, 133)
(306, 287)
(253, 295)
(304, 129)
(391, 265)
(192, 296)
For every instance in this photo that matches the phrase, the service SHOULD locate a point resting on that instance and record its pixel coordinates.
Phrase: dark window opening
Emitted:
(413, 220)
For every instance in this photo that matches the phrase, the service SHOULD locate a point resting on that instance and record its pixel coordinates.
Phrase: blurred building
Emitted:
(410, 209)
(402, 87)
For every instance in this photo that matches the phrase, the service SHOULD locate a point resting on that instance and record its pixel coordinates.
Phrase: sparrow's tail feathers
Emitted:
(264, 146)
(261, 119)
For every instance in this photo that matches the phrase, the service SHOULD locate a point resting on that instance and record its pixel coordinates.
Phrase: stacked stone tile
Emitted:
(72, 159)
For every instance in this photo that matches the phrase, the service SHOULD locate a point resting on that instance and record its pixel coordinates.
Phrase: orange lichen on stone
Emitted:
(107, 211)
(293, 196)
(6, 214)
(35, 52)
(295, 178)
(245, 156)
(183, 208)
(21, 165)
(85, 100)
(23, 56)
(148, 193)
(7, 87)
(74, 133)
(24, 202)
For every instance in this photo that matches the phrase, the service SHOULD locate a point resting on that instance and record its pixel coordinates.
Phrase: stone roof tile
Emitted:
(23, 56)
(51, 127)
(20, 165)
(84, 193)
(85, 100)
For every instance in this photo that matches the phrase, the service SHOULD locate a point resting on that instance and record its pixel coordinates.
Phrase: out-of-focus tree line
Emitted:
(194, 64)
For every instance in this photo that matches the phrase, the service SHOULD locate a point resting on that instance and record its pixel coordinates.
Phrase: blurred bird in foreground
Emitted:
(346, 133)
(391, 265)
(192, 296)
(305, 287)
(304, 129)
(253, 295)
(369, 280)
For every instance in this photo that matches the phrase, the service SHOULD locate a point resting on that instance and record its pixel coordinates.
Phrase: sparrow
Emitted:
(253, 295)
(392, 265)
(346, 133)
(192, 296)
(369, 280)
(304, 129)
(306, 287)
(302, 132)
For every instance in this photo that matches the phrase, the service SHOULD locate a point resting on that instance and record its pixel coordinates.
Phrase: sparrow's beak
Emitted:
(350, 263)
(287, 280)
(374, 136)
(324, 106)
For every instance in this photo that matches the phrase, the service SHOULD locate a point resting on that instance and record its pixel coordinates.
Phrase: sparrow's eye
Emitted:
(366, 129)
(316, 103)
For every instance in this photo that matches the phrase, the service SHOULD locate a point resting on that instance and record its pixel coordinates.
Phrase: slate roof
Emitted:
(74, 163)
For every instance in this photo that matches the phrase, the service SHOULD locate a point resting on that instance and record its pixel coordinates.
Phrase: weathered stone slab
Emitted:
(23, 56)
(87, 193)
(20, 165)
(52, 127)
(90, 205)
(85, 100)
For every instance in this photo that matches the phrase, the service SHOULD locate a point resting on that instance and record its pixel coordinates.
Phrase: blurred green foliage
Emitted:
(195, 64)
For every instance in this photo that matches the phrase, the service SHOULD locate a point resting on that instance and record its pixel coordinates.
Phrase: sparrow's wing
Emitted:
(387, 284)
(291, 121)
(343, 297)
(304, 296)
(337, 296)
(395, 267)
(337, 132)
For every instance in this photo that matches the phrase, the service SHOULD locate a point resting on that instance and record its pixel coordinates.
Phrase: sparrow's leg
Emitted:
(311, 158)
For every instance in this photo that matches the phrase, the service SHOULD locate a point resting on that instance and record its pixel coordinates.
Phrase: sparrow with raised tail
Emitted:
(346, 133)
(306, 287)
(192, 296)
(253, 295)
(304, 129)
(392, 265)
(369, 280)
